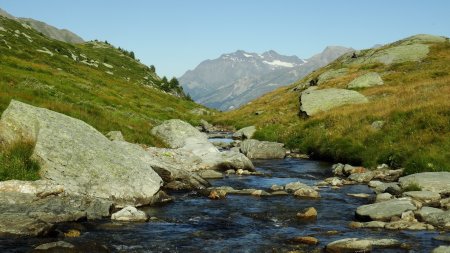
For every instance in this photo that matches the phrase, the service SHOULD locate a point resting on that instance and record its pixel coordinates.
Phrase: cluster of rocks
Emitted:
(86, 175)
(415, 202)
(297, 189)
(253, 149)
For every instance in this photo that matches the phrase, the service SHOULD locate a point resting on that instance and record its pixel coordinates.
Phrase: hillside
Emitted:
(402, 117)
(94, 81)
(236, 78)
(46, 29)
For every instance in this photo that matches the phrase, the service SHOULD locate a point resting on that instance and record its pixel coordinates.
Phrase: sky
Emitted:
(176, 35)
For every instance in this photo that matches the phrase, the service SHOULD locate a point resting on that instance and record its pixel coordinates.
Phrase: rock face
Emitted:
(367, 80)
(383, 211)
(315, 101)
(360, 245)
(428, 181)
(129, 213)
(255, 149)
(181, 135)
(78, 157)
(245, 133)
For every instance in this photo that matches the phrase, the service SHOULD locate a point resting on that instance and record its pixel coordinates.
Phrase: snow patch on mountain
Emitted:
(280, 63)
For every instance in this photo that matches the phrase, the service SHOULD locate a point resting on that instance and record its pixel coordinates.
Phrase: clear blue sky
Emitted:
(176, 35)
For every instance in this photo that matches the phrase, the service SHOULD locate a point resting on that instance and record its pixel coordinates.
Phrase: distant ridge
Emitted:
(46, 29)
(236, 78)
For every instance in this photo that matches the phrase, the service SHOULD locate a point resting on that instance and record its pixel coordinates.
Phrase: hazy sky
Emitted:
(176, 35)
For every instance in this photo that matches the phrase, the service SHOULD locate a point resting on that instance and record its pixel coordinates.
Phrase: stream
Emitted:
(238, 223)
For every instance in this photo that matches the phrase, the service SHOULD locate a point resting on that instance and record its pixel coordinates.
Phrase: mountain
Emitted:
(95, 82)
(388, 104)
(47, 30)
(236, 78)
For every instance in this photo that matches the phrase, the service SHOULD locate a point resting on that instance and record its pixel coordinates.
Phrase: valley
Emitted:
(346, 151)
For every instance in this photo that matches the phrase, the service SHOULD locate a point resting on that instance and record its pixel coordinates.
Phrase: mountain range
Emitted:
(236, 78)
(46, 29)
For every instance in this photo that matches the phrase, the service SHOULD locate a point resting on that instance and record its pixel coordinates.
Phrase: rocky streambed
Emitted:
(242, 223)
(99, 194)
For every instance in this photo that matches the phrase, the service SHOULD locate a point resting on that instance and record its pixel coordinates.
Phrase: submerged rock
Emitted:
(255, 149)
(315, 101)
(75, 155)
(308, 240)
(308, 213)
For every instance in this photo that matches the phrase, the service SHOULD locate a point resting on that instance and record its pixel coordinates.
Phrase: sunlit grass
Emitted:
(414, 103)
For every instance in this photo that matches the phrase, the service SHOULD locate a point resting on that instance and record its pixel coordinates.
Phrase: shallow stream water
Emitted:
(194, 223)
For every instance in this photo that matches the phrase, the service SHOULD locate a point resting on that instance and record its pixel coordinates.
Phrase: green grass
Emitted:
(412, 187)
(413, 103)
(15, 162)
(132, 99)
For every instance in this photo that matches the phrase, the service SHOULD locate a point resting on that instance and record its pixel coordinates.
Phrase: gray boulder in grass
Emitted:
(316, 101)
(75, 155)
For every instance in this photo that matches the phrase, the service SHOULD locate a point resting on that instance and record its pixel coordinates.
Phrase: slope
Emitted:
(94, 82)
(46, 29)
(406, 122)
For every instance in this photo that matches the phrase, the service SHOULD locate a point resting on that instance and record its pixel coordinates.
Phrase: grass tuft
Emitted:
(16, 162)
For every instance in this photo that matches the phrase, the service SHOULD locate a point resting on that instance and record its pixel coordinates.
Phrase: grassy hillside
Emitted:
(414, 104)
(95, 82)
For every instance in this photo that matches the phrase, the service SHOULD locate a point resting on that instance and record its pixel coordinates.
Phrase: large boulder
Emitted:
(78, 157)
(180, 135)
(29, 214)
(315, 101)
(383, 211)
(428, 181)
(174, 133)
(255, 149)
(245, 133)
(367, 80)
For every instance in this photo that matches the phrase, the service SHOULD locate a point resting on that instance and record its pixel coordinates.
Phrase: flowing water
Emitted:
(194, 223)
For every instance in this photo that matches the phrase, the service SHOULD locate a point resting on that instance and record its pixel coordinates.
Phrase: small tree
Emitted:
(174, 82)
(152, 68)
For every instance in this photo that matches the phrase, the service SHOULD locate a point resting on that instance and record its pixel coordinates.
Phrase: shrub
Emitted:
(15, 162)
